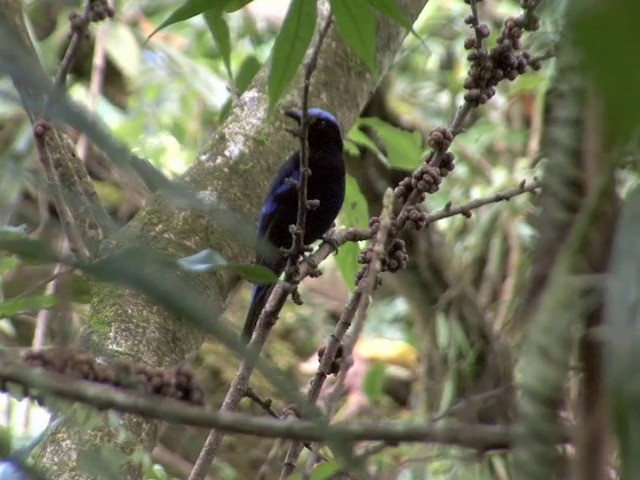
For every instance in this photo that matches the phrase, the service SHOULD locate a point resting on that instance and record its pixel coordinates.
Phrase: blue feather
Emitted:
(326, 184)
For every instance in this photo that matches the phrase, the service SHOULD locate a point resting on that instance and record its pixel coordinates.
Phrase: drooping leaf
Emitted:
(404, 149)
(361, 139)
(209, 260)
(290, 46)
(23, 304)
(220, 33)
(356, 22)
(189, 9)
(391, 9)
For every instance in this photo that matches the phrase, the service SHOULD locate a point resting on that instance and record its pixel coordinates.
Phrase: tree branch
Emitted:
(481, 437)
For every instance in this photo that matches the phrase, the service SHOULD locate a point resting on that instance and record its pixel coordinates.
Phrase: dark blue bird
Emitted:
(325, 184)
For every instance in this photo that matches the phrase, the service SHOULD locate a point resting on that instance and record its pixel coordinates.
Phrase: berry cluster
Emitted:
(395, 258)
(178, 383)
(426, 179)
(505, 60)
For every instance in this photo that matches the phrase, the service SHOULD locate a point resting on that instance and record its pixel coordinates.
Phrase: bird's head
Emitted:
(324, 129)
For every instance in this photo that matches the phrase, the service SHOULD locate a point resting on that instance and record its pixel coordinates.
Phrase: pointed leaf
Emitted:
(356, 22)
(391, 9)
(290, 46)
(220, 33)
(248, 69)
(189, 9)
(360, 138)
(404, 149)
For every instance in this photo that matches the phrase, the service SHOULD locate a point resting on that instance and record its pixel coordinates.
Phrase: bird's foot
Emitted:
(328, 238)
(313, 264)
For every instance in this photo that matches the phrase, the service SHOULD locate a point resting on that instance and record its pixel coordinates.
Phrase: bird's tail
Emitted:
(259, 299)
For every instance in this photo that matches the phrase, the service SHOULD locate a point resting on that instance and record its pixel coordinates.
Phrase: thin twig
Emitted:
(78, 29)
(466, 208)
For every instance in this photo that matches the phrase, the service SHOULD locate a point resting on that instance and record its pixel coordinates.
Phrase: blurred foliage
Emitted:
(171, 79)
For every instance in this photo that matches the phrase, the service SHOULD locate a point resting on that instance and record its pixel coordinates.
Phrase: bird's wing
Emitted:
(282, 195)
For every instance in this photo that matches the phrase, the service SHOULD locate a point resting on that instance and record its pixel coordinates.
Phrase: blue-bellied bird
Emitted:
(325, 184)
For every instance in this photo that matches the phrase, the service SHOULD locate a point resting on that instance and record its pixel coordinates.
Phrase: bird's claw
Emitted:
(327, 238)
(309, 260)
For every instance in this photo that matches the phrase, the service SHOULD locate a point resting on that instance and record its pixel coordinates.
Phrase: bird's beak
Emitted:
(295, 114)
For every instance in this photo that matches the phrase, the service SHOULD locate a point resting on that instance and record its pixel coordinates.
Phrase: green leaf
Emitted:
(360, 138)
(33, 251)
(391, 9)
(354, 213)
(601, 29)
(356, 22)
(404, 149)
(355, 210)
(187, 10)
(347, 261)
(374, 381)
(234, 5)
(290, 46)
(249, 67)
(209, 260)
(220, 33)
(7, 262)
(325, 470)
(23, 304)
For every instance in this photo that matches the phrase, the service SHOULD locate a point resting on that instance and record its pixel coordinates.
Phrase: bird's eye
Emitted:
(322, 124)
